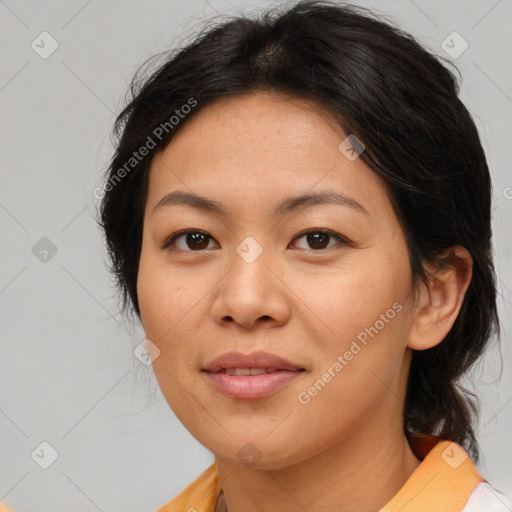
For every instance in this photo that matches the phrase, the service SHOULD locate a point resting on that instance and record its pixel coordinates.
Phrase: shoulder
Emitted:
(199, 496)
(446, 479)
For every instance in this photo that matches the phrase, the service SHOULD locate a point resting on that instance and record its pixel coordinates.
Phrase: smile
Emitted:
(246, 371)
(250, 383)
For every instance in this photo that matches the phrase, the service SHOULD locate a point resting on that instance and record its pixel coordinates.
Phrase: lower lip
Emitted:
(247, 387)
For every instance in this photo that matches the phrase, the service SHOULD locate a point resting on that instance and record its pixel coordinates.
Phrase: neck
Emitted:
(361, 473)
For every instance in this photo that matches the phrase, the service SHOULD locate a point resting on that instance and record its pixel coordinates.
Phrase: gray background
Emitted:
(68, 373)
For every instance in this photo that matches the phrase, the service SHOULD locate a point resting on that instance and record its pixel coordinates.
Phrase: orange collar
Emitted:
(446, 477)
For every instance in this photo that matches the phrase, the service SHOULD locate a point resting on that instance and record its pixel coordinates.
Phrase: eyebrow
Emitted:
(286, 206)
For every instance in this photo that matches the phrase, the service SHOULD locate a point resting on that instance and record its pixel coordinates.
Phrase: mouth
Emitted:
(255, 363)
(253, 371)
(251, 376)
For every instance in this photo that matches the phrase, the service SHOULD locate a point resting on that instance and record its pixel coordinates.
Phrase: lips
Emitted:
(251, 376)
(255, 363)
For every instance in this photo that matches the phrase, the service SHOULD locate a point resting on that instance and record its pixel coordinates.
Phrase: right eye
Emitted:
(192, 240)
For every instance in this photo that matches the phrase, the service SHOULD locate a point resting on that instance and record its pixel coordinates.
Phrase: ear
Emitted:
(439, 303)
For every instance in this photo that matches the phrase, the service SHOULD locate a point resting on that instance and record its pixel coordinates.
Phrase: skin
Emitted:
(303, 302)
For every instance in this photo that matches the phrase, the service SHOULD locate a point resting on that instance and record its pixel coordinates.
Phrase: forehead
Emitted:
(266, 113)
(261, 146)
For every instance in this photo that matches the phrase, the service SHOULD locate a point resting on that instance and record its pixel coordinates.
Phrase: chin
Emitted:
(261, 454)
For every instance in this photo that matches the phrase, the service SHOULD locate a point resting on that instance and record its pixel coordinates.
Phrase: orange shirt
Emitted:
(446, 480)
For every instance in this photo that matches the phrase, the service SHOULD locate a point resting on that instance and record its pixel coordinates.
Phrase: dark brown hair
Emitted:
(398, 99)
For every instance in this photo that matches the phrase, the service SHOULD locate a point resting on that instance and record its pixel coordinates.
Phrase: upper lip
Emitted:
(252, 360)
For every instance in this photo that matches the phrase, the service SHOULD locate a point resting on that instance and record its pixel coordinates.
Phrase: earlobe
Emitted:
(439, 303)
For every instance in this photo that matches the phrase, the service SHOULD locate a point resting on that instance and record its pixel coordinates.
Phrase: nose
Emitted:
(252, 294)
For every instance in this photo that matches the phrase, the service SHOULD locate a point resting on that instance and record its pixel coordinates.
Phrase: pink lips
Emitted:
(282, 372)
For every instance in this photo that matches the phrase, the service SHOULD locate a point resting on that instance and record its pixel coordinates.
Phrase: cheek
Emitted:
(166, 299)
(171, 306)
(364, 321)
(166, 304)
(348, 299)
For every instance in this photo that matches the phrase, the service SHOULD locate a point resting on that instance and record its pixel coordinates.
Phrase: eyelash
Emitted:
(170, 240)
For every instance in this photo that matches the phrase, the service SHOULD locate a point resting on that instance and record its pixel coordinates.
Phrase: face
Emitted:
(322, 284)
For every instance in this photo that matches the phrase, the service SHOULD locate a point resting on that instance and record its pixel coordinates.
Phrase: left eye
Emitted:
(318, 239)
(198, 240)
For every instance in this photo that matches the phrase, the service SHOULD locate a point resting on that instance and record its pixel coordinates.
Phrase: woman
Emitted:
(298, 212)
